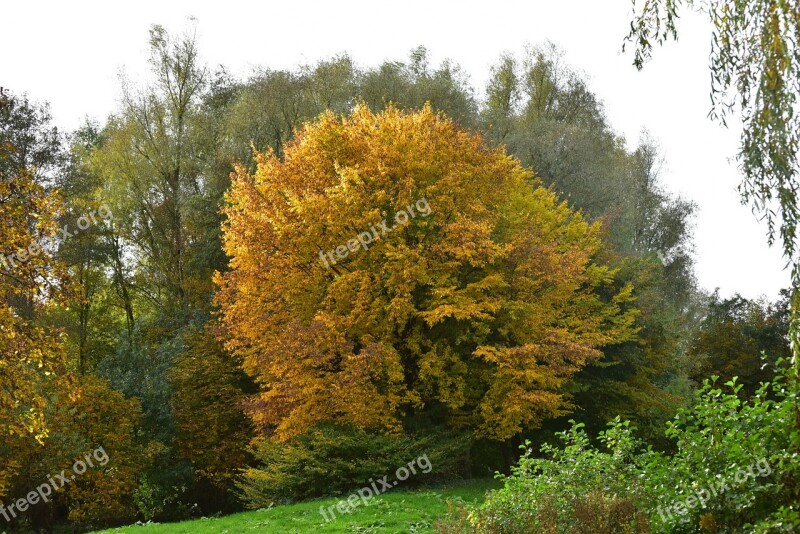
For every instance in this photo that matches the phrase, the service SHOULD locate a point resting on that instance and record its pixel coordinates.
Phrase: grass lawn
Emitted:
(393, 511)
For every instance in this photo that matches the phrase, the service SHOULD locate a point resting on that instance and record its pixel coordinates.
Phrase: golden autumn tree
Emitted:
(93, 418)
(392, 265)
(29, 279)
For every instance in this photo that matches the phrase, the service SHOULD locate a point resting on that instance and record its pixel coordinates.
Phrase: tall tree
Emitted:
(155, 157)
(741, 338)
(30, 280)
(412, 84)
(471, 311)
(93, 319)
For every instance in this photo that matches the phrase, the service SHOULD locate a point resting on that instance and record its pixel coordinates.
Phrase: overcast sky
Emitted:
(71, 53)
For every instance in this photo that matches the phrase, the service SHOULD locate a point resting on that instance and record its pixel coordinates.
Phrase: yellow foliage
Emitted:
(29, 279)
(485, 306)
(85, 416)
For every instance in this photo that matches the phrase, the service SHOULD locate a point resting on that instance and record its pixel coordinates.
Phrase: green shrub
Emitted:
(735, 467)
(330, 460)
(162, 494)
(575, 488)
(735, 461)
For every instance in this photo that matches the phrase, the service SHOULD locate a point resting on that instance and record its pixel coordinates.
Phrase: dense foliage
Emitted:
(741, 338)
(472, 312)
(731, 469)
(238, 327)
(334, 460)
(29, 279)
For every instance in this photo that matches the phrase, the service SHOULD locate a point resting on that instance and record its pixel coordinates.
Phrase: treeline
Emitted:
(112, 336)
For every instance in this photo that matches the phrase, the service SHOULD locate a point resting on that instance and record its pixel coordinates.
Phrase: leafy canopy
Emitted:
(472, 316)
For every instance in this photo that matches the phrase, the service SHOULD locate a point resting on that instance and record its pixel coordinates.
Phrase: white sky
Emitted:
(71, 53)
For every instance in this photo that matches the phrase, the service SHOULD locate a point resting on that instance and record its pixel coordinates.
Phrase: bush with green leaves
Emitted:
(734, 467)
(334, 460)
(575, 488)
(735, 462)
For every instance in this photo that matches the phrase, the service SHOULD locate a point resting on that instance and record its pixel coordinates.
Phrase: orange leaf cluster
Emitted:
(482, 309)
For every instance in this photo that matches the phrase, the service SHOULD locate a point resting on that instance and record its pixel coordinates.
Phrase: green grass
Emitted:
(394, 511)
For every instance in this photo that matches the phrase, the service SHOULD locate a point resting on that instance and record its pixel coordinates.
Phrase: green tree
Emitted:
(153, 160)
(95, 316)
(213, 431)
(734, 335)
(415, 83)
